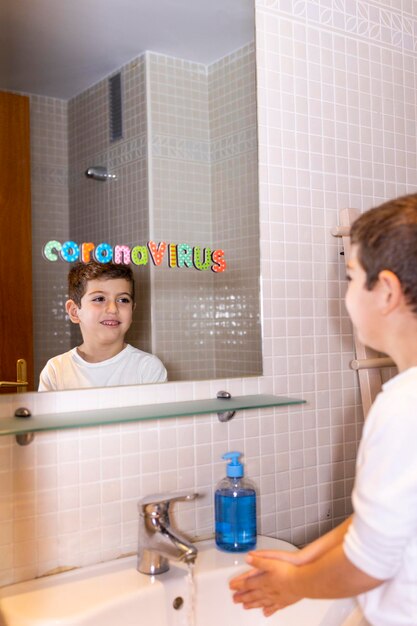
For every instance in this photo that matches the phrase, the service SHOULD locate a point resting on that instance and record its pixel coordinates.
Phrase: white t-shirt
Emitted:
(130, 367)
(382, 539)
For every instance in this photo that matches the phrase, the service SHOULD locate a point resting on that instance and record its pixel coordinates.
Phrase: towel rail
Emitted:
(363, 364)
(340, 231)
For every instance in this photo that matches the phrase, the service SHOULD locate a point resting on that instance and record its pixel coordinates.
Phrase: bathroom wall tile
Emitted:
(49, 180)
(196, 90)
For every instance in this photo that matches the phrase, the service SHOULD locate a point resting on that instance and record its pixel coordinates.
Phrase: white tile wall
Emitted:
(180, 204)
(337, 115)
(203, 170)
(235, 200)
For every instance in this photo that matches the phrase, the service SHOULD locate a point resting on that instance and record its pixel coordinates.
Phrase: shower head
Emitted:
(99, 172)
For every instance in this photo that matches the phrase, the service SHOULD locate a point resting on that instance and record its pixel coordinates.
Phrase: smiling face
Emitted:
(105, 314)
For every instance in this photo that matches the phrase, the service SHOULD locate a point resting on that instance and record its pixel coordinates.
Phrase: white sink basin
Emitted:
(115, 594)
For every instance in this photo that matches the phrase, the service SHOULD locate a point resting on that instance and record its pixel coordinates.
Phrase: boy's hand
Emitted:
(270, 585)
(296, 557)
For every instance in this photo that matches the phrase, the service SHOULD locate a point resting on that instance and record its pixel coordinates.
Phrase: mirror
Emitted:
(178, 136)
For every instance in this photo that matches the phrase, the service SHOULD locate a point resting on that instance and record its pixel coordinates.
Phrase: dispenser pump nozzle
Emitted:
(234, 468)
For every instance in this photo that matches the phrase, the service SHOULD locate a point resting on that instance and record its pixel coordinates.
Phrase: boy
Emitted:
(101, 301)
(373, 554)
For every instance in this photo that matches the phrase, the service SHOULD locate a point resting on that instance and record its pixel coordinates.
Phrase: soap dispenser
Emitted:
(235, 508)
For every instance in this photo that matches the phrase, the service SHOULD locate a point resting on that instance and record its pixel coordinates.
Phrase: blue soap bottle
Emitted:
(235, 509)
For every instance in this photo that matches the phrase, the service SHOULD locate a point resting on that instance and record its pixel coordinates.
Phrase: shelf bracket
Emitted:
(224, 416)
(24, 439)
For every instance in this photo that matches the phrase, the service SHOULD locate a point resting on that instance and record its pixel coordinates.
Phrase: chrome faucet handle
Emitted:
(158, 540)
(159, 503)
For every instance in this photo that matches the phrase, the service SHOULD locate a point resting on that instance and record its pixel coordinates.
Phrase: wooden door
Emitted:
(16, 334)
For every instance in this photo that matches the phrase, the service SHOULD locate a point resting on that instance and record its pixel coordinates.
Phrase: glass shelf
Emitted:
(99, 417)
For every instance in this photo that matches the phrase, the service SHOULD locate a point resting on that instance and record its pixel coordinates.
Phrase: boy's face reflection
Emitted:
(106, 311)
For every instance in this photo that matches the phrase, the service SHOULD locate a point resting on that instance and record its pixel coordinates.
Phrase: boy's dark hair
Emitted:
(80, 273)
(386, 237)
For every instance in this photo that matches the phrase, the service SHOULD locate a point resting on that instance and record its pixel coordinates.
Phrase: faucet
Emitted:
(158, 542)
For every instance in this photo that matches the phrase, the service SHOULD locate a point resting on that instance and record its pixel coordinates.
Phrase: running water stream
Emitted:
(191, 620)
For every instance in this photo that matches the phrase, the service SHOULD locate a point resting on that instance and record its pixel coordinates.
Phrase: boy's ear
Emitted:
(390, 290)
(72, 309)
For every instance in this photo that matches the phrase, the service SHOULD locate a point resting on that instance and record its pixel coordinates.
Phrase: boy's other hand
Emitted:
(270, 585)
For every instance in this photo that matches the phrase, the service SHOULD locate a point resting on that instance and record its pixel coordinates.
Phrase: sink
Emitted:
(115, 594)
